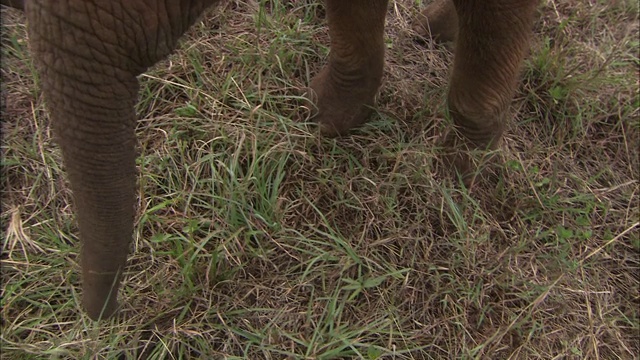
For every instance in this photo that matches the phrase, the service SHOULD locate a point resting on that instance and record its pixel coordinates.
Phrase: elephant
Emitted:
(89, 52)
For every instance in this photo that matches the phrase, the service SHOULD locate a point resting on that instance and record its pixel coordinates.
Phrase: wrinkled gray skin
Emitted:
(89, 53)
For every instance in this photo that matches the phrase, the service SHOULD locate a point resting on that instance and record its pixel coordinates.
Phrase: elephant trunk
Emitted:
(103, 184)
(99, 155)
(91, 105)
(100, 162)
(104, 252)
(89, 55)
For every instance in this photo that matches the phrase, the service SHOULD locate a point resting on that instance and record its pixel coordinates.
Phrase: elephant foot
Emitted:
(344, 100)
(438, 21)
(468, 161)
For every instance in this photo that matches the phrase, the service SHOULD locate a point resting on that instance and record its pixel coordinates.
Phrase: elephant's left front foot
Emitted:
(344, 98)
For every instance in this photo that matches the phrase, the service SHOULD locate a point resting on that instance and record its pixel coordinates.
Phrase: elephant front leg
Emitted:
(493, 39)
(345, 89)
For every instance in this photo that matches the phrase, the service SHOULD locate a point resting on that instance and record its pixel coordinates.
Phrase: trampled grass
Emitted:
(257, 238)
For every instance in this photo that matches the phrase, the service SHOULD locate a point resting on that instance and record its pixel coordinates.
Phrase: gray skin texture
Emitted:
(89, 53)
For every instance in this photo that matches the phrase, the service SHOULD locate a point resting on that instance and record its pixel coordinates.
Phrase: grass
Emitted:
(256, 238)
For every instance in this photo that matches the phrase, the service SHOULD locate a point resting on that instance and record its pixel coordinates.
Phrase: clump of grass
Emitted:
(257, 238)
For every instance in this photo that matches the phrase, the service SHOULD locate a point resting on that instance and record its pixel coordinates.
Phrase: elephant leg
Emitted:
(438, 20)
(493, 39)
(345, 89)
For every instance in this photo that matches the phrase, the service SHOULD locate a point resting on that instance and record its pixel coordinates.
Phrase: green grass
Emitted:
(257, 238)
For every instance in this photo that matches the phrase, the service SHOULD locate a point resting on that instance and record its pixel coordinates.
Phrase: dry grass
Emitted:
(256, 238)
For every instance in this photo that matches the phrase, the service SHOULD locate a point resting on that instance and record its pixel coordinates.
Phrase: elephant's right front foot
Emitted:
(344, 99)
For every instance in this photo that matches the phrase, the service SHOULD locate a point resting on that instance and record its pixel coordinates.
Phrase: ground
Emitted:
(258, 238)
